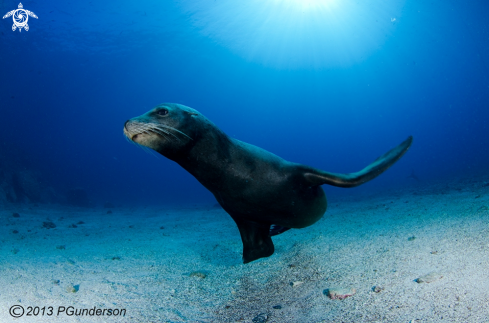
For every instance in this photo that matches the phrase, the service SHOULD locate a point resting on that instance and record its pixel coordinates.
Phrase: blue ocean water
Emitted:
(331, 84)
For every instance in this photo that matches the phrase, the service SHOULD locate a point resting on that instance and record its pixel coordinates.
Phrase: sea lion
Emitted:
(263, 193)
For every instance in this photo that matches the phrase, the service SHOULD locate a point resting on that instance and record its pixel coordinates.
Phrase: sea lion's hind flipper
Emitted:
(319, 177)
(277, 229)
(256, 240)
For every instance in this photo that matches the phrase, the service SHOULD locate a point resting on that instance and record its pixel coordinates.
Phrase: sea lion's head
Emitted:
(168, 128)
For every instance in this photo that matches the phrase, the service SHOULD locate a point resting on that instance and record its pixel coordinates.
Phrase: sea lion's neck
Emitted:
(208, 157)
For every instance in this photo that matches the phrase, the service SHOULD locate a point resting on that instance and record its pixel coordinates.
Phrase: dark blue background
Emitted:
(68, 85)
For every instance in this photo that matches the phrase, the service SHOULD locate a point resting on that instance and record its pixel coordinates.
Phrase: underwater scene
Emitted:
(258, 161)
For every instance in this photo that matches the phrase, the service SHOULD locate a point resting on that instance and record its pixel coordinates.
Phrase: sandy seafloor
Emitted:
(125, 260)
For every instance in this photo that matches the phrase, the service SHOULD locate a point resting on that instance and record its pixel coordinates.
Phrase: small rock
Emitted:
(61, 247)
(48, 225)
(377, 289)
(16, 215)
(260, 318)
(80, 222)
(15, 231)
(297, 283)
(434, 252)
(429, 278)
(15, 251)
(109, 212)
(198, 274)
(162, 227)
(55, 281)
(116, 258)
(72, 226)
(411, 238)
(72, 288)
(340, 293)
(277, 307)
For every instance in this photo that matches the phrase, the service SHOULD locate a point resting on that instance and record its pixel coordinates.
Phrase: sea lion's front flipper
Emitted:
(319, 177)
(256, 240)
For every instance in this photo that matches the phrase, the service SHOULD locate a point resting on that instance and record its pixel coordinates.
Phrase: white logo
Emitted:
(20, 17)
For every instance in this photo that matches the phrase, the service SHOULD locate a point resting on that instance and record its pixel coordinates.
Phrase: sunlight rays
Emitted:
(297, 33)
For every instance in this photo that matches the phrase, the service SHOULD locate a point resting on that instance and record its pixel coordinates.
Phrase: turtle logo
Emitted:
(20, 17)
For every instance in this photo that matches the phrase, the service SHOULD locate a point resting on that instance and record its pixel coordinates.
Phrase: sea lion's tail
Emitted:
(319, 177)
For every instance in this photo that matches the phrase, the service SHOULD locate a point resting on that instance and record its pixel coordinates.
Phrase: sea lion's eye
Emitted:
(162, 112)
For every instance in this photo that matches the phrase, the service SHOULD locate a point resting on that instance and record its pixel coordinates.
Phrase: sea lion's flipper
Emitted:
(319, 177)
(256, 240)
(277, 229)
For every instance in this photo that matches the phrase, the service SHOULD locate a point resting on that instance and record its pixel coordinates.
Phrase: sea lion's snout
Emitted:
(133, 128)
(127, 130)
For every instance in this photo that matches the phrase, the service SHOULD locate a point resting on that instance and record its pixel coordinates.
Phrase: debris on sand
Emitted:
(339, 293)
(48, 225)
(295, 284)
(260, 318)
(377, 289)
(72, 288)
(429, 278)
(198, 274)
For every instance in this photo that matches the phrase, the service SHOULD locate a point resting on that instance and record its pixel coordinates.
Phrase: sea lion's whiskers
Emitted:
(171, 128)
(159, 131)
(162, 133)
(140, 128)
(146, 128)
(153, 127)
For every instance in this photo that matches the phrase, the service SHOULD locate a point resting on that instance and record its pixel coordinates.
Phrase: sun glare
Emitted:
(308, 4)
(297, 33)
